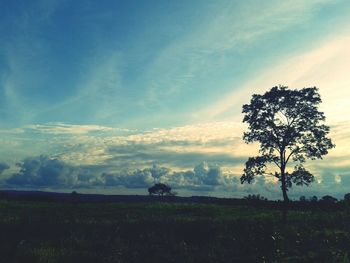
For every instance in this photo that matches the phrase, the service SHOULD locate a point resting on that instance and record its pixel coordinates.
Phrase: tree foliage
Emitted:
(347, 197)
(255, 197)
(329, 199)
(290, 129)
(160, 189)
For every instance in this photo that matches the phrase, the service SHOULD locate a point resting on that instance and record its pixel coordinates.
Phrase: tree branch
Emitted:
(276, 164)
(291, 153)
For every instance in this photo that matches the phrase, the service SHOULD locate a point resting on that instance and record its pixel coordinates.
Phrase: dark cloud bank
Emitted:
(44, 172)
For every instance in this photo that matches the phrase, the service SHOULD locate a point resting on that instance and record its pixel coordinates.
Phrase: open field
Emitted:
(169, 232)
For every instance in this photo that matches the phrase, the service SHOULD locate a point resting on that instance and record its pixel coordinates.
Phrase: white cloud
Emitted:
(254, 20)
(63, 128)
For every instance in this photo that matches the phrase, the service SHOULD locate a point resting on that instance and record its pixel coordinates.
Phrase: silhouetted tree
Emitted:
(313, 198)
(289, 128)
(160, 189)
(347, 197)
(255, 197)
(74, 196)
(329, 199)
(302, 198)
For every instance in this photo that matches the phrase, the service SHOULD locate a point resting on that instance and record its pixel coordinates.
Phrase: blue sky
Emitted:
(109, 87)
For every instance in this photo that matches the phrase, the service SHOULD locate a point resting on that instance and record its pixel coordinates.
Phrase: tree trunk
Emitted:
(284, 191)
(285, 196)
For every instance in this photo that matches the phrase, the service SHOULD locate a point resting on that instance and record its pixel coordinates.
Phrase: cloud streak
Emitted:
(324, 67)
(62, 128)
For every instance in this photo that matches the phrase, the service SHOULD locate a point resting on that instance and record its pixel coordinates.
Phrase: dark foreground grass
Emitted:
(162, 232)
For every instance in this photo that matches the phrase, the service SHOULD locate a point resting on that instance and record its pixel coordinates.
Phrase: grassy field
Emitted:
(163, 232)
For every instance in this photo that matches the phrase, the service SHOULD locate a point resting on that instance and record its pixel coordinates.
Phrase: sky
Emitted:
(112, 96)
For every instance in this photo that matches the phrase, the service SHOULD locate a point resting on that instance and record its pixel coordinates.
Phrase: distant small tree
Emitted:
(314, 198)
(290, 129)
(255, 197)
(347, 197)
(302, 198)
(329, 199)
(74, 196)
(160, 189)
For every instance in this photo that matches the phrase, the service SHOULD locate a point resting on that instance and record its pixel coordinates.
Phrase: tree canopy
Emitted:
(160, 189)
(290, 129)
